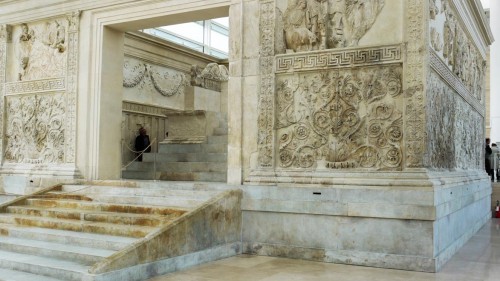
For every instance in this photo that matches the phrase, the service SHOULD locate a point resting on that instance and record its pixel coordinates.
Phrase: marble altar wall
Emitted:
(358, 125)
(39, 69)
(455, 96)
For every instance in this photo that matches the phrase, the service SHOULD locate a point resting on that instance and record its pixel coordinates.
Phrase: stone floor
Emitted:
(478, 260)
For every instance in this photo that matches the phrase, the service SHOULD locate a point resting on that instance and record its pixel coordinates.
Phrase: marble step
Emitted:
(4, 198)
(215, 187)
(93, 216)
(181, 167)
(106, 207)
(45, 266)
(221, 131)
(138, 175)
(84, 255)
(76, 225)
(192, 148)
(194, 176)
(154, 190)
(185, 157)
(221, 139)
(13, 275)
(94, 240)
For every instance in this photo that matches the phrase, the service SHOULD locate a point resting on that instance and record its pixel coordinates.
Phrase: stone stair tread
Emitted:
(56, 246)
(84, 226)
(13, 275)
(72, 234)
(90, 212)
(146, 191)
(118, 206)
(43, 262)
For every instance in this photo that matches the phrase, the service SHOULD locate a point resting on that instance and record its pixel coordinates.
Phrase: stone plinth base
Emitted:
(408, 220)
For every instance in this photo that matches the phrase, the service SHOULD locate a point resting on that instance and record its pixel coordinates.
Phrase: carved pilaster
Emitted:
(267, 85)
(414, 88)
(5, 37)
(72, 84)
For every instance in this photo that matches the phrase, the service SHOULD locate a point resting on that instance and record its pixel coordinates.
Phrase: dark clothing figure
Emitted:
(142, 143)
(487, 160)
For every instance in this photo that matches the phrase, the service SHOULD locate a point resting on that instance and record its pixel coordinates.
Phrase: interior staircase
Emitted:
(96, 232)
(206, 162)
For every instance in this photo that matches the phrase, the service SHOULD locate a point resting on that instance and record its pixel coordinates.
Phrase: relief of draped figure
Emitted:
(327, 24)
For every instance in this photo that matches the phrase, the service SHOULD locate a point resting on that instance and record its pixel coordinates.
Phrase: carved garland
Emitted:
(266, 98)
(414, 89)
(143, 70)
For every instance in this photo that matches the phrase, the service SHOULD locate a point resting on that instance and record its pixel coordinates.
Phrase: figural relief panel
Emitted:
(324, 24)
(144, 76)
(455, 128)
(35, 128)
(450, 41)
(344, 118)
(40, 50)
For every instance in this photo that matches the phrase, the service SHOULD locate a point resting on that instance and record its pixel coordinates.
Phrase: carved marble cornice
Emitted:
(338, 58)
(36, 86)
(444, 71)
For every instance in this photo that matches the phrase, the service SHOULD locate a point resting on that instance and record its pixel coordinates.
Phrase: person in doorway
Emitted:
(487, 160)
(142, 143)
(494, 159)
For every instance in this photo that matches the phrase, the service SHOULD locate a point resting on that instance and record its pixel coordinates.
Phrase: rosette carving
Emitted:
(341, 119)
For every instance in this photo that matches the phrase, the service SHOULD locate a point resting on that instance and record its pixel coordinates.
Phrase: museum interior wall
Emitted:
(355, 130)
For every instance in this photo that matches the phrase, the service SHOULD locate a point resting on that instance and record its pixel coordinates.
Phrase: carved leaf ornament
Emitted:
(340, 119)
(166, 82)
(35, 129)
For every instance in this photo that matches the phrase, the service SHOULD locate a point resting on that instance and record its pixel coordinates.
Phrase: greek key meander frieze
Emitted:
(35, 129)
(333, 58)
(452, 45)
(447, 75)
(35, 86)
(340, 119)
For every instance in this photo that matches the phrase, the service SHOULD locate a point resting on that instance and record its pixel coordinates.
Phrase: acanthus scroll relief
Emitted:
(341, 119)
(325, 24)
(167, 82)
(450, 42)
(35, 129)
(41, 50)
(455, 139)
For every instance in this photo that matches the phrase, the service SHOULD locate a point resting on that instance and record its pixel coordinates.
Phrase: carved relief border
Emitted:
(334, 58)
(36, 86)
(144, 109)
(266, 98)
(414, 70)
(5, 37)
(72, 81)
(443, 70)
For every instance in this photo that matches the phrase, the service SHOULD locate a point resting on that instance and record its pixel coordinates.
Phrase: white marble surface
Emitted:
(478, 260)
